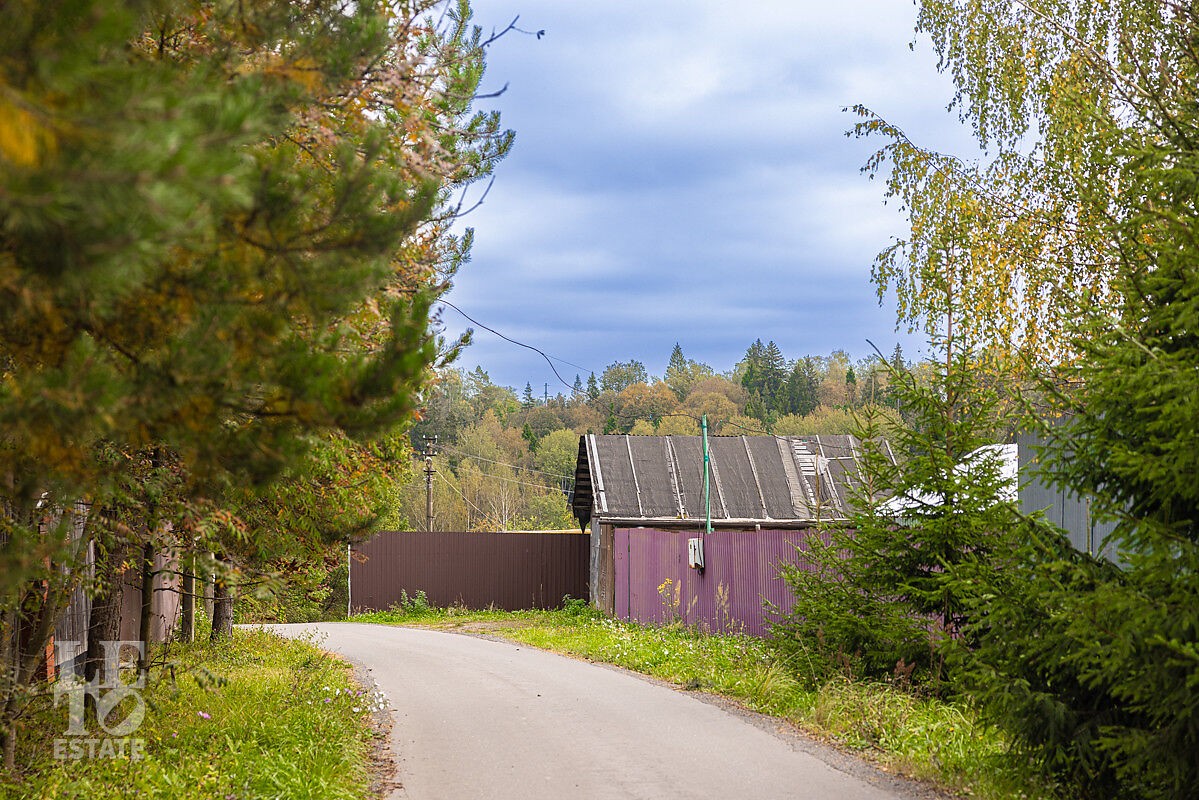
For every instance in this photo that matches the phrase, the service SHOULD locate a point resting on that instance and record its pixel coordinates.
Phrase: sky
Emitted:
(681, 174)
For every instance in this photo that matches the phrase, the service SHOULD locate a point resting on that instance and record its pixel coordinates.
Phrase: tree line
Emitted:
(505, 459)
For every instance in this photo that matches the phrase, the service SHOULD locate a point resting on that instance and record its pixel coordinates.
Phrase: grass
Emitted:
(256, 717)
(921, 737)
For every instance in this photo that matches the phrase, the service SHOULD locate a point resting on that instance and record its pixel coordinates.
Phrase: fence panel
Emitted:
(511, 571)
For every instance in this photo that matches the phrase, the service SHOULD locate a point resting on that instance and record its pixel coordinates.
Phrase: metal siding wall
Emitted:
(620, 571)
(512, 571)
(741, 574)
(1066, 510)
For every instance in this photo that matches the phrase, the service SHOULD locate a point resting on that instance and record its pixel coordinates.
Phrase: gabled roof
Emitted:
(780, 481)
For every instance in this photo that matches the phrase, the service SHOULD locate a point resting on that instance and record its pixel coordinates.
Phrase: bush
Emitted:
(316, 593)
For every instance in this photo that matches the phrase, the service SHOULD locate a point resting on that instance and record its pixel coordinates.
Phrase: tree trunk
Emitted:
(104, 622)
(146, 617)
(223, 596)
(209, 586)
(187, 613)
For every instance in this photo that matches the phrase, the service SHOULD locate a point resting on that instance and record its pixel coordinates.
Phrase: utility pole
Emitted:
(430, 451)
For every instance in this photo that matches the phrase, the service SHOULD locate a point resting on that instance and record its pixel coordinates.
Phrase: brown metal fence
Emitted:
(511, 571)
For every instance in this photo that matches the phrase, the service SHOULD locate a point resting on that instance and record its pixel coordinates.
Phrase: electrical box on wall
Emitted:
(695, 553)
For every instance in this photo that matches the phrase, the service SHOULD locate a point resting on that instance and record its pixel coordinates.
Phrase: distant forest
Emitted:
(504, 459)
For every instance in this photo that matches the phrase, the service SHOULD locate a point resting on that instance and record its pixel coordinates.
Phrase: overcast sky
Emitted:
(681, 174)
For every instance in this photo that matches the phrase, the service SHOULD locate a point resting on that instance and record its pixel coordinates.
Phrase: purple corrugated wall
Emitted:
(740, 577)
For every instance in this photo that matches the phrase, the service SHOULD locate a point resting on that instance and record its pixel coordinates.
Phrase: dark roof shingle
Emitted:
(754, 479)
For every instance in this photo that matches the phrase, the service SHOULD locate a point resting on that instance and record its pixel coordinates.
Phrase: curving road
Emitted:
(478, 719)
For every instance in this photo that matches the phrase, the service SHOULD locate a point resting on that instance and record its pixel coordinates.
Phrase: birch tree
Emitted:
(1020, 238)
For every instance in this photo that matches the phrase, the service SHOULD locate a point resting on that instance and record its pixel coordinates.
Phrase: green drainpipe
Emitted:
(707, 491)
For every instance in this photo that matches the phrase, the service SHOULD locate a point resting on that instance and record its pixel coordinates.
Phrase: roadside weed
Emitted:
(254, 717)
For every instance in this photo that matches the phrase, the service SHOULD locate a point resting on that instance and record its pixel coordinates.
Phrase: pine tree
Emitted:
(678, 372)
(593, 391)
(802, 385)
(222, 244)
(527, 398)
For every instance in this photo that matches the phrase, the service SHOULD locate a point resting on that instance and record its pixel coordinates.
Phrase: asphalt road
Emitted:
(478, 719)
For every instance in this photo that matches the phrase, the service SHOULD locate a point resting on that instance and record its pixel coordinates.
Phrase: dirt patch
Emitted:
(382, 763)
(470, 626)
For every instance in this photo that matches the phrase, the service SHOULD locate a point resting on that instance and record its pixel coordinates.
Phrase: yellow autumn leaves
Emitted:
(25, 135)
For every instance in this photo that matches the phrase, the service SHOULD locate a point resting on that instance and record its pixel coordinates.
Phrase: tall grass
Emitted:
(254, 717)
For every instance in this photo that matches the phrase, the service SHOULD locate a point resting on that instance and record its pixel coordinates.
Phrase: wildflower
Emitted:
(204, 715)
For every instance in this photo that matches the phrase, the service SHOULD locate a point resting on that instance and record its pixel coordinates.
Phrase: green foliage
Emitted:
(578, 607)
(314, 592)
(620, 375)
(882, 593)
(557, 453)
(1020, 669)
(1096, 669)
(415, 606)
(224, 227)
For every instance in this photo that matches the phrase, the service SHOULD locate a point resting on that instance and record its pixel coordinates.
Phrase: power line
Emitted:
(449, 449)
(482, 514)
(538, 350)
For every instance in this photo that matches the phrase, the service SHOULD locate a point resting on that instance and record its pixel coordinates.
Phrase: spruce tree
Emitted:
(1095, 668)
(774, 377)
(678, 372)
(886, 593)
(752, 372)
(802, 385)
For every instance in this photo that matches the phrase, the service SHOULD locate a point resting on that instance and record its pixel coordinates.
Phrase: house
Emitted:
(642, 497)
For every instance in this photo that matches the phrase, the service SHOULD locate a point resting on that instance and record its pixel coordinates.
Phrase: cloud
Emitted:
(681, 174)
